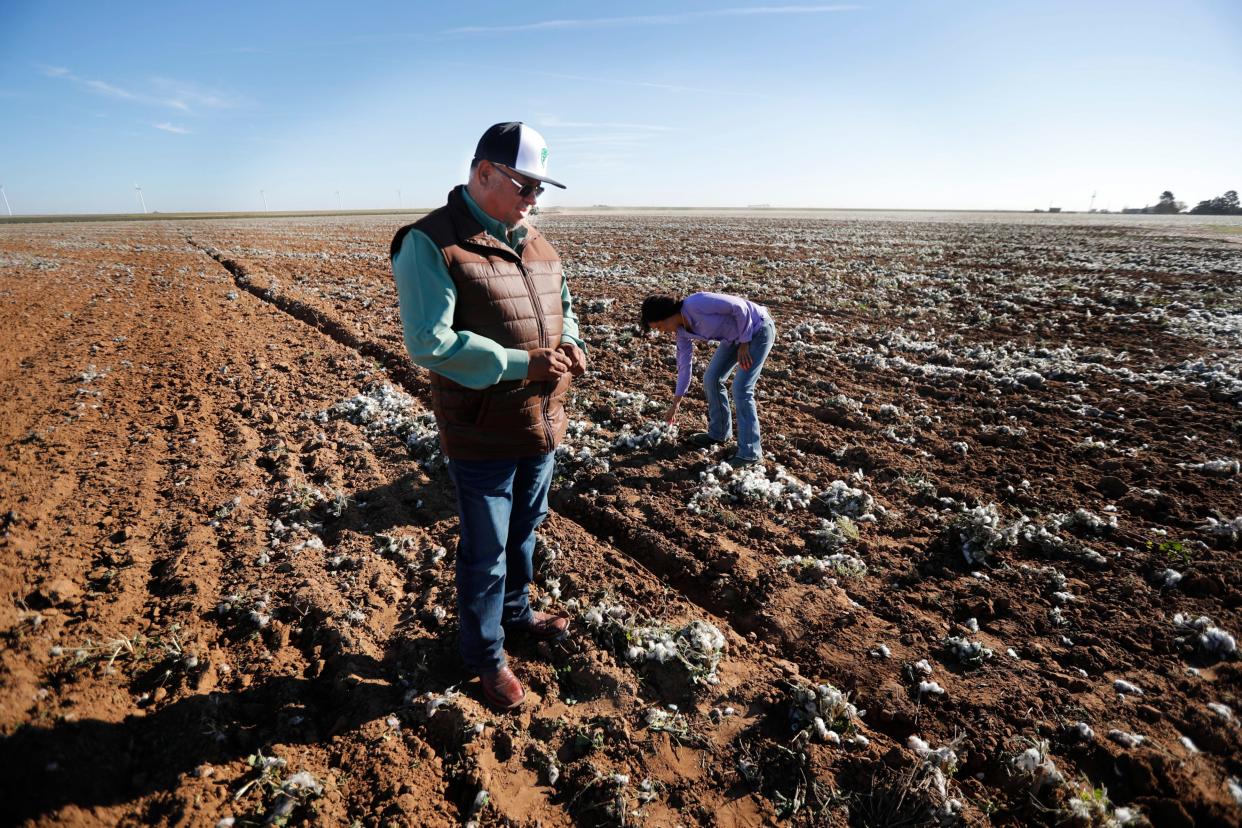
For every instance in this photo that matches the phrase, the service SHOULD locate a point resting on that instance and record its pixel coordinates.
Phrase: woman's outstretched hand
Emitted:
(671, 414)
(743, 356)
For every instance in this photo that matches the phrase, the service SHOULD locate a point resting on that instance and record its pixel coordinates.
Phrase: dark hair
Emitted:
(659, 307)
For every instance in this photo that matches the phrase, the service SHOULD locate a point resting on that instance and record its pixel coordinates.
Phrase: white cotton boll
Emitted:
(1126, 688)
(1235, 790)
(942, 757)
(967, 651)
(1201, 623)
(302, 784)
(1170, 578)
(1012, 653)
(881, 651)
(1127, 740)
(1034, 761)
(1222, 711)
(1028, 760)
(1083, 731)
(832, 737)
(1188, 744)
(1226, 529)
(1223, 466)
(972, 624)
(922, 666)
(593, 618)
(926, 687)
(635, 653)
(1062, 597)
(620, 779)
(861, 740)
(821, 729)
(918, 746)
(1218, 642)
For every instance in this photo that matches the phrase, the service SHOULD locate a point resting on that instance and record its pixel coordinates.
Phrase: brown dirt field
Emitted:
(1006, 527)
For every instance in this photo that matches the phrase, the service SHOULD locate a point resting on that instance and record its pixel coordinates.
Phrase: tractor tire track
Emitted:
(253, 281)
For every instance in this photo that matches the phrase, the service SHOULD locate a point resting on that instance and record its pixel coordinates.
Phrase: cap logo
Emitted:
(543, 157)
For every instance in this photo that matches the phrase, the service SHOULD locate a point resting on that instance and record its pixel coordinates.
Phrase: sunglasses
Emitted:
(524, 190)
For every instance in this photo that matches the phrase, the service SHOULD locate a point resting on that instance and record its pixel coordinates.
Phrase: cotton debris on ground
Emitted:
(750, 484)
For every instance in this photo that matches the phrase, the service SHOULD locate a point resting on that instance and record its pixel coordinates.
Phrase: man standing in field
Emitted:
(486, 309)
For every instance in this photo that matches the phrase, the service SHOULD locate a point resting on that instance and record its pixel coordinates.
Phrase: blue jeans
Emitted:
(715, 380)
(499, 504)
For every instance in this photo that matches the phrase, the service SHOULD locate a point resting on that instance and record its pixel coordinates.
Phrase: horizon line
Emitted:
(69, 217)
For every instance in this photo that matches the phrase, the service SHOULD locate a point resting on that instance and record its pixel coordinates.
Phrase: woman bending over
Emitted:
(745, 332)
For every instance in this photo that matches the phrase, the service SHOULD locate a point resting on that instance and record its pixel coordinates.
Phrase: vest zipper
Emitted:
(546, 395)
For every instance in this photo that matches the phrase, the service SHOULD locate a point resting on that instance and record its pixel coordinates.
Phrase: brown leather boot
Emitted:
(544, 626)
(501, 689)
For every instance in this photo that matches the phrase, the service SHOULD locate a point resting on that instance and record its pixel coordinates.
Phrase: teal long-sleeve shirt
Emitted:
(428, 297)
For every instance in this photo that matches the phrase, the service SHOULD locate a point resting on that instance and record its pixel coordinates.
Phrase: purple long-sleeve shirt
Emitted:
(718, 317)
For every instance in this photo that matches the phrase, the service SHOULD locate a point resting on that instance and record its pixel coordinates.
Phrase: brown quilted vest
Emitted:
(515, 300)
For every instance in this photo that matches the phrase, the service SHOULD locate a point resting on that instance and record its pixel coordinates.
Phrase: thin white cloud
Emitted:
(667, 87)
(609, 139)
(191, 94)
(651, 19)
(556, 122)
(164, 92)
(106, 88)
(173, 128)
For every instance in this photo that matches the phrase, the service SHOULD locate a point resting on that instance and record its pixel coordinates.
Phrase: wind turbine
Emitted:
(338, 201)
(263, 195)
(6, 200)
(400, 206)
(141, 200)
(1091, 209)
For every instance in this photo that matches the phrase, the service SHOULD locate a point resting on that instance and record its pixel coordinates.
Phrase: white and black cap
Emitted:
(519, 148)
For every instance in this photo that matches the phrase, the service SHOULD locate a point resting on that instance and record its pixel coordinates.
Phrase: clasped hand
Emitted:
(554, 363)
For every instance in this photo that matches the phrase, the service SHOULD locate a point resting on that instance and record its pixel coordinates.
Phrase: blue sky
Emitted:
(953, 104)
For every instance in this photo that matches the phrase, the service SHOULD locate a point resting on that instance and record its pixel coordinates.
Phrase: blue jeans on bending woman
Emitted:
(500, 503)
(715, 387)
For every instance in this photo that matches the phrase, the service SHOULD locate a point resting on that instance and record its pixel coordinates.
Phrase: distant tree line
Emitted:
(1225, 205)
